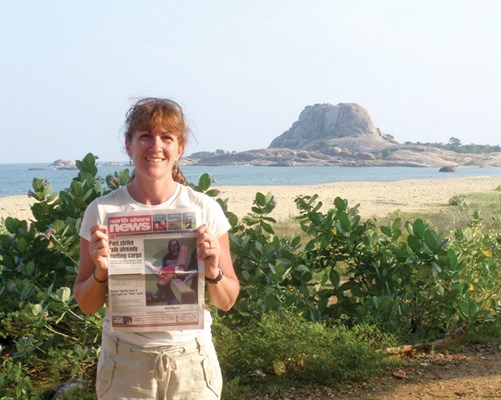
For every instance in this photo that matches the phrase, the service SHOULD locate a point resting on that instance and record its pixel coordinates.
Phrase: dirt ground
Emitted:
(472, 374)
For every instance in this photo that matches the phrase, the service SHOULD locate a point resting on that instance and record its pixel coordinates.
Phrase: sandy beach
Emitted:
(376, 199)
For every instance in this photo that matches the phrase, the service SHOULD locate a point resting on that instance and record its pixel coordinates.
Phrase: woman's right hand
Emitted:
(90, 288)
(99, 249)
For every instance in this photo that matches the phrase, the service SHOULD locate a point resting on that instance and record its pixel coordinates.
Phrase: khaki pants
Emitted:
(182, 371)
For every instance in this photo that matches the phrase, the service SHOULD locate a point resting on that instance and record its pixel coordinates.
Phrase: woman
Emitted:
(170, 263)
(156, 365)
(172, 256)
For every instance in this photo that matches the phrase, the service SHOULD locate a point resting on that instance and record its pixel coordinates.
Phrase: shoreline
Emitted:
(376, 199)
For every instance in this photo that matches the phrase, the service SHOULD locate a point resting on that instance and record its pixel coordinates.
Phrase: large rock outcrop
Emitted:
(345, 135)
(322, 127)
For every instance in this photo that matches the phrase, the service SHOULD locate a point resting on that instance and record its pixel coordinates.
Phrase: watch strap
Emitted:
(217, 278)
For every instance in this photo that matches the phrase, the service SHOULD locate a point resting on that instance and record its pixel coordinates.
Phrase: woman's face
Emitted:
(174, 247)
(154, 152)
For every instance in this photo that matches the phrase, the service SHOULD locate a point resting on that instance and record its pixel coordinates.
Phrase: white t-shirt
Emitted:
(184, 197)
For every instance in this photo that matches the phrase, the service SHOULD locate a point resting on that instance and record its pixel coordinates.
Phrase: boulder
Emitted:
(447, 168)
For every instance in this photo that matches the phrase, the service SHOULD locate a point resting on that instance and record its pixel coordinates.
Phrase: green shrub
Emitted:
(266, 265)
(479, 249)
(457, 201)
(14, 382)
(403, 273)
(41, 327)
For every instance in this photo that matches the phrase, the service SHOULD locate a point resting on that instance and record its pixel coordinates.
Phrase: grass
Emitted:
(289, 228)
(458, 213)
(3, 231)
(288, 351)
(486, 332)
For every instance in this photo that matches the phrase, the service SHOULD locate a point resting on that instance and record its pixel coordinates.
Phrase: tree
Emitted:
(454, 142)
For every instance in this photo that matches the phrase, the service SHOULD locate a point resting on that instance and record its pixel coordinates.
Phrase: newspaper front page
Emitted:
(155, 279)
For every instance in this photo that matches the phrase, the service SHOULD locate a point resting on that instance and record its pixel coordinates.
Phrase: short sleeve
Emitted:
(215, 219)
(90, 219)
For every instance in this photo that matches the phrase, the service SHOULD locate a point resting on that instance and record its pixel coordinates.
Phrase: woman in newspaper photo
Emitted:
(169, 264)
(170, 364)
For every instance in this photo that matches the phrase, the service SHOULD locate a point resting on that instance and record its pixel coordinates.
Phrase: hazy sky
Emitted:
(426, 70)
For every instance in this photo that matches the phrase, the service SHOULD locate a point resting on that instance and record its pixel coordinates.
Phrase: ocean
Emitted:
(16, 179)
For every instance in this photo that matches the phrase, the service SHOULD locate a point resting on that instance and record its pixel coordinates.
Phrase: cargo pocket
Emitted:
(105, 376)
(212, 377)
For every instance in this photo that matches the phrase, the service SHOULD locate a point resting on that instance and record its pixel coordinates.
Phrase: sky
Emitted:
(243, 71)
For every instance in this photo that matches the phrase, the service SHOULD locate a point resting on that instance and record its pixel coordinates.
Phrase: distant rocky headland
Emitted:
(345, 135)
(59, 164)
(71, 165)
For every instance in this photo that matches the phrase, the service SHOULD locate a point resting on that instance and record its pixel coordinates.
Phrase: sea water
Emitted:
(17, 179)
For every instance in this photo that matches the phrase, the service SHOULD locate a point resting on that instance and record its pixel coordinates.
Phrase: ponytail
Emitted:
(178, 176)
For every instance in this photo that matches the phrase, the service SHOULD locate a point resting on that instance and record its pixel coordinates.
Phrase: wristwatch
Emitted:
(217, 278)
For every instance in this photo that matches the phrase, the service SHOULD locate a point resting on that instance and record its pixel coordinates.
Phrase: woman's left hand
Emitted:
(209, 250)
(215, 252)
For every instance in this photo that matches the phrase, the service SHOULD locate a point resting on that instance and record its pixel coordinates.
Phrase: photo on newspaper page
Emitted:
(155, 279)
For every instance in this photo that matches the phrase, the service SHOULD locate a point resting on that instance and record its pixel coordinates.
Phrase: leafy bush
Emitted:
(405, 275)
(266, 264)
(41, 327)
(480, 251)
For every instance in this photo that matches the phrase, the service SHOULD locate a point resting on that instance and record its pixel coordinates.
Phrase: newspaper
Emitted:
(155, 279)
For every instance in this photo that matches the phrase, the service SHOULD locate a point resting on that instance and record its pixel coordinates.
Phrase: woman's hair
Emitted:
(169, 254)
(150, 112)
